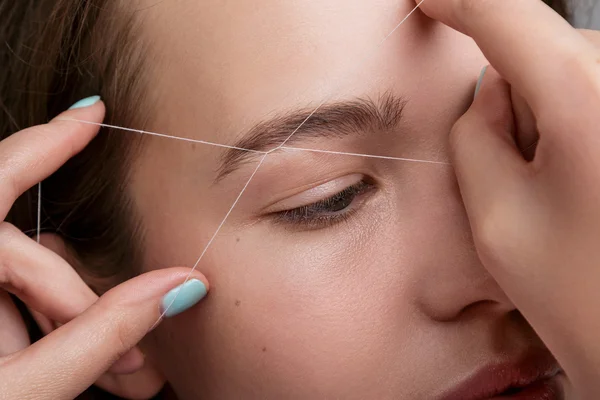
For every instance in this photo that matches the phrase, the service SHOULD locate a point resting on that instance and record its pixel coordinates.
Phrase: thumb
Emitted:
(70, 359)
(487, 162)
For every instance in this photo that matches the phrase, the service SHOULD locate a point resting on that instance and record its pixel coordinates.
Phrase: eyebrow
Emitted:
(331, 120)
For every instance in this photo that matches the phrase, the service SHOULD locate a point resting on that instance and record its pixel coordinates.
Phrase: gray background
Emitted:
(581, 13)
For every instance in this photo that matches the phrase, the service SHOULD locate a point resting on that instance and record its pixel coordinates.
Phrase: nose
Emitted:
(451, 282)
(459, 286)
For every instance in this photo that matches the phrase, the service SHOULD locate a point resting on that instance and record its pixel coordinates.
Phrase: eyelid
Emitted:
(316, 194)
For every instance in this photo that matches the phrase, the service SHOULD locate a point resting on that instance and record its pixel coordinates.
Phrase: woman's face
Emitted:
(335, 276)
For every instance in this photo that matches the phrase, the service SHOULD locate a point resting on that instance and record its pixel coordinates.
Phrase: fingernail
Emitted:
(88, 101)
(183, 297)
(478, 86)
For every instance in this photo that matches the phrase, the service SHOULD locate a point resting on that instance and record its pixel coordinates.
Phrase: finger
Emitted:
(40, 278)
(49, 286)
(485, 157)
(526, 132)
(592, 36)
(13, 333)
(70, 359)
(45, 324)
(29, 156)
(531, 46)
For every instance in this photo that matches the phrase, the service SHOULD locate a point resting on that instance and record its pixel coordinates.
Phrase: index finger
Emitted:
(70, 359)
(31, 155)
(529, 44)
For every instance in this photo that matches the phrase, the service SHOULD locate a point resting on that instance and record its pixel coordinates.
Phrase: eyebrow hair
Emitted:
(333, 120)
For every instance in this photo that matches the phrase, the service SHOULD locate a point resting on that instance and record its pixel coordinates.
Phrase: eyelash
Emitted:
(323, 213)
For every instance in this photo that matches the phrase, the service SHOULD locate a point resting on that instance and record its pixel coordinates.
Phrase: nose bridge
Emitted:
(451, 279)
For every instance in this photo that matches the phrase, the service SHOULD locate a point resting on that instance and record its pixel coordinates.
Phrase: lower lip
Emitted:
(549, 389)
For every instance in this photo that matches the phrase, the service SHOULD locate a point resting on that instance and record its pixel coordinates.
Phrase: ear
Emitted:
(136, 377)
(144, 383)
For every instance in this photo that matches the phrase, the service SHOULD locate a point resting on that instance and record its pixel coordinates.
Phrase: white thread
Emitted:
(265, 154)
(256, 170)
(164, 135)
(401, 22)
(39, 212)
(299, 126)
(213, 237)
(280, 147)
(343, 153)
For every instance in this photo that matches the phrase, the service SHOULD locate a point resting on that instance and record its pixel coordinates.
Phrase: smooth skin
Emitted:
(99, 334)
(535, 223)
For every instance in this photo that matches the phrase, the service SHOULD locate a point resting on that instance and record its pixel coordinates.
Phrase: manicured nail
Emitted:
(183, 297)
(478, 86)
(88, 101)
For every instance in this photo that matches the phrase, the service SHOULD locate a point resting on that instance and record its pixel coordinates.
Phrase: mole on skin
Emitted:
(237, 303)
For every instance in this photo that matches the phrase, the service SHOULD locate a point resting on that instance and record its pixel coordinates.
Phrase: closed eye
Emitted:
(329, 211)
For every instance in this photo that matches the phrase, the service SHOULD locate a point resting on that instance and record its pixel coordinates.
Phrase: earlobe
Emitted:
(144, 383)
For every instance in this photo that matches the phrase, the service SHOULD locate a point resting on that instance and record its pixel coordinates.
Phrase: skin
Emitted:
(384, 298)
(553, 198)
(356, 310)
(362, 309)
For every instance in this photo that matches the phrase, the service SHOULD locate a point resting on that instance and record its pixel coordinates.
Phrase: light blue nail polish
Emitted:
(183, 297)
(478, 86)
(88, 101)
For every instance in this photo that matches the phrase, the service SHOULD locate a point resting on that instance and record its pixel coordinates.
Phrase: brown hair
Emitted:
(54, 52)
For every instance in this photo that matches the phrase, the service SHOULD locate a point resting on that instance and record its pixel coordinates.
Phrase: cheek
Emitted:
(308, 319)
(322, 314)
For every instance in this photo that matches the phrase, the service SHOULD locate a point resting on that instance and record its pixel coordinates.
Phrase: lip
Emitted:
(534, 377)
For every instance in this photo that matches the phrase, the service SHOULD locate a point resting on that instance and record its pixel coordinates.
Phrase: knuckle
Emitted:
(472, 8)
(118, 325)
(493, 234)
(575, 118)
(8, 234)
(584, 73)
(42, 133)
(122, 334)
(20, 159)
(592, 36)
(9, 187)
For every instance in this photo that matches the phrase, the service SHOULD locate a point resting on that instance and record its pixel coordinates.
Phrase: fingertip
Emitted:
(183, 297)
(187, 273)
(87, 102)
(424, 6)
(492, 100)
(81, 123)
(479, 80)
(203, 279)
(438, 10)
(90, 109)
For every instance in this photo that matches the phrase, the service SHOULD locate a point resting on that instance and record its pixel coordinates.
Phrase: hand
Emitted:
(98, 332)
(536, 224)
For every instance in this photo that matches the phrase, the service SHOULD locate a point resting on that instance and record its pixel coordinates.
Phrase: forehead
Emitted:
(226, 64)
(282, 40)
